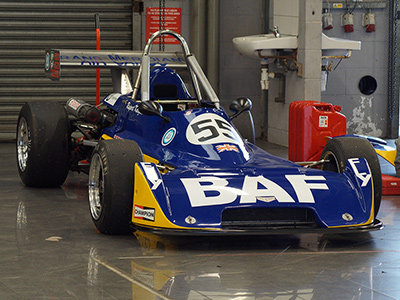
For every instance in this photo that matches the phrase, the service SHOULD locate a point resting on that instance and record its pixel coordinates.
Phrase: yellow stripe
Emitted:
(106, 137)
(143, 196)
(150, 159)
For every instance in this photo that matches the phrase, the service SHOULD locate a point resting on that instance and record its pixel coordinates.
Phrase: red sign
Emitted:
(171, 20)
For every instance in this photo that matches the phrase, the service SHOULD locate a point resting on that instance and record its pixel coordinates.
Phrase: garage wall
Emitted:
(239, 75)
(366, 114)
(28, 28)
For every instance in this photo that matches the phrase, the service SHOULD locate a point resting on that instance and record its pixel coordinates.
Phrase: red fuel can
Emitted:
(310, 122)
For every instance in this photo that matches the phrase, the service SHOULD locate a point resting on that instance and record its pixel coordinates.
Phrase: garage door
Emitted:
(28, 28)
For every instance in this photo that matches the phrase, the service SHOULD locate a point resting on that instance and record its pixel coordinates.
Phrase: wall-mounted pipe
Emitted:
(264, 89)
(338, 56)
(213, 12)
(393, 79)
(198, 30)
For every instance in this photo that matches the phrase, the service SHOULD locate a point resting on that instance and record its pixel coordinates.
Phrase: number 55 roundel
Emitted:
(211, 129)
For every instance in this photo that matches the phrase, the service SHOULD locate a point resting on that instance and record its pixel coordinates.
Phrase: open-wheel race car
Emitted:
(164, 156)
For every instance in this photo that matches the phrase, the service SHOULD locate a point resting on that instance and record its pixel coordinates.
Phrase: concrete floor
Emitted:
(49, 249)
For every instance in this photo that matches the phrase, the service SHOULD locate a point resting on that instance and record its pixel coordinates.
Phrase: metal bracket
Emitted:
(138, 6)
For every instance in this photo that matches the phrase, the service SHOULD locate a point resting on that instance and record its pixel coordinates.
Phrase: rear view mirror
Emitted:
(239, 106)
(151, 108)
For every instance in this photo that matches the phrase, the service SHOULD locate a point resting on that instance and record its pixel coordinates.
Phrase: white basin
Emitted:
(331, 46)
(266, 43)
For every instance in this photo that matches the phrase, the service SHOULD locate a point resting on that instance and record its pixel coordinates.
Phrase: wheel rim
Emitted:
(23, 144)
(333, 164)
(96, 186)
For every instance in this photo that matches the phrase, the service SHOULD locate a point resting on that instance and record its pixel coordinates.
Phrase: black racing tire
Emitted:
(111, 181)
(339, 150)
(43, 144)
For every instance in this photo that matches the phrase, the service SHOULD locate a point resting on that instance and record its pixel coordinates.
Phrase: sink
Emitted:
(331, 46)
(266, 43)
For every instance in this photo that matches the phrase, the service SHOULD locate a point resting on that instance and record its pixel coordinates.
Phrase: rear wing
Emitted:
(118, 61)
(60, 58)
(121, 61)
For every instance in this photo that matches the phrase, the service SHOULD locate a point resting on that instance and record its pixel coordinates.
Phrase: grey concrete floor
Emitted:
(49, 249)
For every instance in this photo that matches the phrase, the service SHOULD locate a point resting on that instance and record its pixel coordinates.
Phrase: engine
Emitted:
(89, 113)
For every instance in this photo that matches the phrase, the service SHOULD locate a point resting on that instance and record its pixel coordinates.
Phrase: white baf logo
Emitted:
(210, 128)
(364, 176)
(211, 190)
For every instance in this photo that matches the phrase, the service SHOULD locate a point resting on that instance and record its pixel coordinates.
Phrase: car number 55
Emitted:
(210, 129)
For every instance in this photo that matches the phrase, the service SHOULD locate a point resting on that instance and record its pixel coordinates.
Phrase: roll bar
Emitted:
(194, 69)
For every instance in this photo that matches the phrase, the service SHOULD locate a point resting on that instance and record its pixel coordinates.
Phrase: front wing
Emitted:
(253, 202)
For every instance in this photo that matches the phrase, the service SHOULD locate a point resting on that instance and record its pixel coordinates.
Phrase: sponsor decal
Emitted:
(144, 213)
(112, 98)
(211, 190)
(54, 65)
(117, 137)
(168, 136)
(119, 60)
(227, 147)
(210, 128)
(51, 59)
(47, 61)
(266, 199)
(134, 108)
(73, 104)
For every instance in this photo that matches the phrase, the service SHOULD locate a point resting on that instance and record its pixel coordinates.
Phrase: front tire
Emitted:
(339, 150)
(111, 180)
(43, 144)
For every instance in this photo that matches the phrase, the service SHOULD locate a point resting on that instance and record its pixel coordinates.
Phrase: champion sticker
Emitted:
(144, 213)
(168, 136)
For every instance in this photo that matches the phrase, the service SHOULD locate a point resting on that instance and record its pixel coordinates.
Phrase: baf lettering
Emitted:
(211, 190)
(363, 176)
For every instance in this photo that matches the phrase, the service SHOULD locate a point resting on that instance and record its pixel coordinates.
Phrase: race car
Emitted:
(163, 156)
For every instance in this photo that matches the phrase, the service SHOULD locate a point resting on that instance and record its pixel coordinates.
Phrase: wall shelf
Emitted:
(350, 4)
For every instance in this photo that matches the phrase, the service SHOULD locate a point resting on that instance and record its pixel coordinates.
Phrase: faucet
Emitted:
(276, 32)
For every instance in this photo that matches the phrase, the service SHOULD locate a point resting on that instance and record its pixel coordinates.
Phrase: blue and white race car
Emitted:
(163, 156)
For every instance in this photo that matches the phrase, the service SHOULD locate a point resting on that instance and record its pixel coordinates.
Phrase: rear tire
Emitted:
(43, 144)
(339, 150)
(111, 180)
